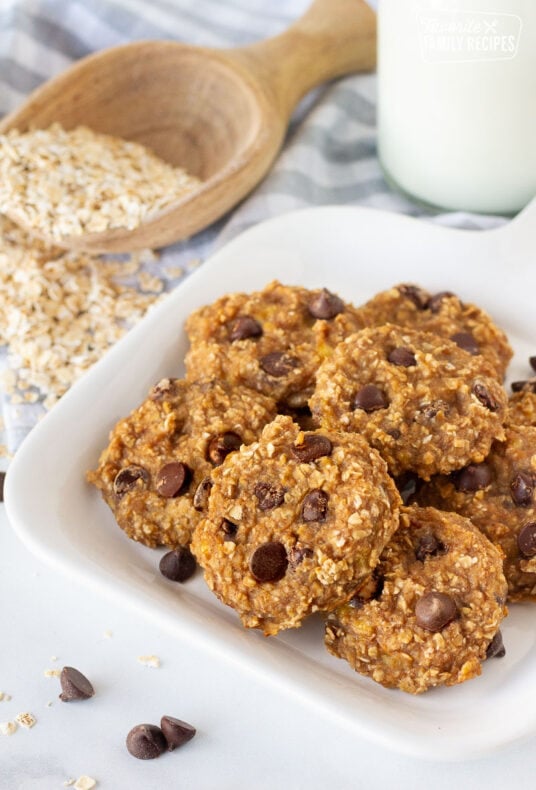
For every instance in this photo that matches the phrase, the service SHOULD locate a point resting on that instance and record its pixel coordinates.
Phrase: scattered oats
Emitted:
(53, 658)
(85, 783)
(174, 272)
(26, 720)
(149, 283)
(108, 634)
(149, 661)
(7, 727)
(5, 697)
(68, 783)
(59, 312)
(49, 703)
(66, 183)
(193, 264)
(52, 673)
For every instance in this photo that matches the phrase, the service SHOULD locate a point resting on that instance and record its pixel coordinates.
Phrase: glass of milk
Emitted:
(457, 101)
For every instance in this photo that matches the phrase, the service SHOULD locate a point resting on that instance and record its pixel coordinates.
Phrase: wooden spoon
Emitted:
(220, 114)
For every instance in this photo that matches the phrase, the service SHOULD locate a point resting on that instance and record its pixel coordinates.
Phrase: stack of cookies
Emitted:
(361, 462)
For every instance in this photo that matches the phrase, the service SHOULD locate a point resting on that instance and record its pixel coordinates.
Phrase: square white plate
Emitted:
(355, 252)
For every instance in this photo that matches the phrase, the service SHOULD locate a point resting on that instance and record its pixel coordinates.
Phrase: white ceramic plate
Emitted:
(355, 252)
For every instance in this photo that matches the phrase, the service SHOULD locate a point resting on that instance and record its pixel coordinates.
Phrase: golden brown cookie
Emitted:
(431, 614)
(425, 404)
(155, 472)
(522, 403)
(272, 340)
(294, 522)
(498, 496)
(444, 314)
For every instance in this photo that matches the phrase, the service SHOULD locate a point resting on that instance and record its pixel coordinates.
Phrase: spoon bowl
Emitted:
(219, 114)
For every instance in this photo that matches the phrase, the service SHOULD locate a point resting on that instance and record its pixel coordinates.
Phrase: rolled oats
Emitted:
(63, 183)
(59, 313)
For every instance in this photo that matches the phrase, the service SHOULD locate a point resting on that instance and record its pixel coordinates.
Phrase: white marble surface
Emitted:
(249, 735)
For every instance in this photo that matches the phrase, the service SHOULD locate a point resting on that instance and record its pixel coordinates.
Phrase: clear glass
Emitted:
(457, 101)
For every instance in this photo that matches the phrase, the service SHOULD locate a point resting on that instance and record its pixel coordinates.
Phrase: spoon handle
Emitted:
(333, 38)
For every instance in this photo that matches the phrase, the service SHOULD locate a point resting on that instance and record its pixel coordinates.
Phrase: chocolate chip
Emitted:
(178, 565)
(417, 295)
(161, 389)
(146, 741)
(408, 484)
(2, 481)
(432, 409)
(315, 505)
(176, 732)
(496, 647)
(202, 493)
(473, 478)
(532, 363)
(314, 446)
(126, 479)
(243, 327)
(173, 479)
(402, 357)
(435, 301)
(526, 540)
(370, 398)
(435, 610)
(524, 386)
(278, 364)
(220, 446)
(485, 397)
(298, 554)
(74, 685)
(325, 305)
(428, 546)
(466, 341)
(229, 529)
(269, 495)
(521, 489)
(269, 562)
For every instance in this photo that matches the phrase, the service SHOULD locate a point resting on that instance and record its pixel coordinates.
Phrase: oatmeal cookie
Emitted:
(425, 404)
(272, 340)
(444, 314)
(498, 496)
(431, 613)
(155, 472)
(522, 403)
(294, 522)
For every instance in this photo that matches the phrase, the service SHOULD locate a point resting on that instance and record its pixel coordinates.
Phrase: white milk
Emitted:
(457, 101)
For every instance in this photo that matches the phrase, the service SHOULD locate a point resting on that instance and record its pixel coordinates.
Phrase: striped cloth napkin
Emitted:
(329, 154)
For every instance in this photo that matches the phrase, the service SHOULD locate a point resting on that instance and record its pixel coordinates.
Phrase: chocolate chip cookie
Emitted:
(294, 522)
(272, 340)
(431, 613)
(522, 403)
(155, 472)
(444, 314)
(424, 403)
(498, 496)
